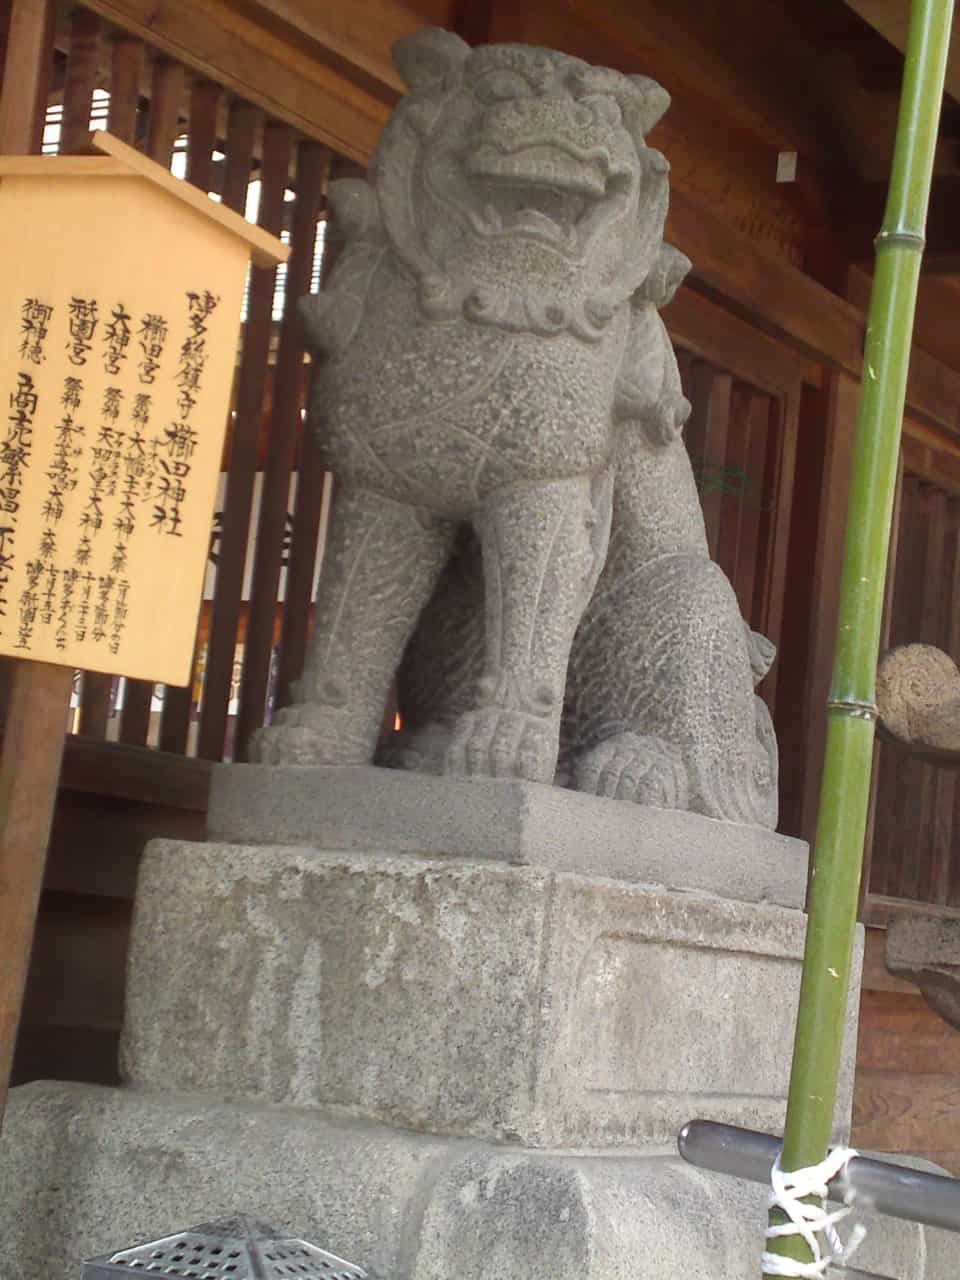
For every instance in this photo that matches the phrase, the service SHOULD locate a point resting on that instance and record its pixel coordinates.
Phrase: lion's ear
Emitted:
(665, 278)
(425, 58)
(642, 105)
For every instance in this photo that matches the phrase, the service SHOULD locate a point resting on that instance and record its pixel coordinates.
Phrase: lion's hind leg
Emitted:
(664, 671)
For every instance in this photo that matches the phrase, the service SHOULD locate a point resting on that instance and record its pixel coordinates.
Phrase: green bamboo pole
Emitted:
(851, 711)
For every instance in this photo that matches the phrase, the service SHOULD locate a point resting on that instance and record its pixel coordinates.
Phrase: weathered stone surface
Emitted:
(520, 1214)
(494, 359)
(84, 1170)
(467, 998)
(925, 950)
(395, 812)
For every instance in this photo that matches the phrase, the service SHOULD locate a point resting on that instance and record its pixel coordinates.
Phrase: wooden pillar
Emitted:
(39, 697)
(226, 611)
(313, 162)
(26, 72)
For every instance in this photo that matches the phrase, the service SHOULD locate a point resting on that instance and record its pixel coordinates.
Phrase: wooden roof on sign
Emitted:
(121, 161)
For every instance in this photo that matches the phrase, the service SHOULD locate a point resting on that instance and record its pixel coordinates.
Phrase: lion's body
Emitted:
(455, 419)
(493, 360)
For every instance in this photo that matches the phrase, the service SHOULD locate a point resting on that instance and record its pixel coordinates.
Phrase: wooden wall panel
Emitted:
(797, 605)
(742, 441)
(837, 465)
(708, 428)
(914, 829)
(914, 1114)
(907, 1085)
(750, 557)
(731, 484)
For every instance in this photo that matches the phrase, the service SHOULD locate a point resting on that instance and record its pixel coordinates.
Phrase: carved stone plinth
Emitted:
(925, 950)
(503, 1002)
(390, 811)
(439, 1065)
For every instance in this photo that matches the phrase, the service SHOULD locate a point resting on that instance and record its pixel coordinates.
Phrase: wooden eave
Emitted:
(121, 161)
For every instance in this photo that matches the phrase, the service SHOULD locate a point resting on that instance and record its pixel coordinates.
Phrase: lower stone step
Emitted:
(85, 1170)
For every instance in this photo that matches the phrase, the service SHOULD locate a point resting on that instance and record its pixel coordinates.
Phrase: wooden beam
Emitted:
(780, 70)
(941, 264)
(360, 35)
(779, 299)
(135, 773)
(277, 71)
(699, 325)
(942, 252)
(892, 19)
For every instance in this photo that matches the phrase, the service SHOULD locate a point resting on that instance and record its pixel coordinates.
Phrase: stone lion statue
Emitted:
(516, 532)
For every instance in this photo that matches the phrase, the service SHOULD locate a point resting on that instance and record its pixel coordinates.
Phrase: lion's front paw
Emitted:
(496, 743)
(308, 735)
(634, 768)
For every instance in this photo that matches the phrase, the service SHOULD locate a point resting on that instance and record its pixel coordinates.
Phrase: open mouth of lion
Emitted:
(540, 191)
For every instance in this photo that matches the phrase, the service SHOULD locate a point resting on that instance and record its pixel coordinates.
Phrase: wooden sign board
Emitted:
(119, 325)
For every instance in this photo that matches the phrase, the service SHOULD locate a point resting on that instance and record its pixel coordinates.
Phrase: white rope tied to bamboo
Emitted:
(810, 1220)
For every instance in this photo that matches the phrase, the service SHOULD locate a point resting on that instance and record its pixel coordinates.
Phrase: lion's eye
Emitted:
(500, 86)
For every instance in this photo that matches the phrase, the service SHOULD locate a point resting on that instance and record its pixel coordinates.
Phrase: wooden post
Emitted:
(29, 772)
(39, 699)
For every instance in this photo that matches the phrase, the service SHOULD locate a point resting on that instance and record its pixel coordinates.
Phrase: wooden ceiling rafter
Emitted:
(891, 18)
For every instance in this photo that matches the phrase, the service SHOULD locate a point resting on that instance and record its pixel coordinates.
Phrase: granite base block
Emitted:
(367, 808)
(86, 1170)
(467, 998)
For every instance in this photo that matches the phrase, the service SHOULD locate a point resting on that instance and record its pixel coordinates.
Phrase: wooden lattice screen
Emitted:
(916, 821)
(734, 438)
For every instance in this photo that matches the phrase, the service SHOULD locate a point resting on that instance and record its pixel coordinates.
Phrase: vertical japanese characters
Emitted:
(175, 449)
(105, 453)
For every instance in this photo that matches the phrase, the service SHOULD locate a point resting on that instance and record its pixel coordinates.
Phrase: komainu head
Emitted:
(516, 184)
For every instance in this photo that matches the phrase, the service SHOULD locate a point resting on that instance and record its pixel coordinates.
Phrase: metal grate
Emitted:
(238, 1248)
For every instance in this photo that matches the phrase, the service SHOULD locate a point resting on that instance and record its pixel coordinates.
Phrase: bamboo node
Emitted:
(894, 239)
(852, 707)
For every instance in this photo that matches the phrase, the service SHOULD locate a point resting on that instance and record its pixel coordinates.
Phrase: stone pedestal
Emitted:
(480, 1000)
(435, 1064)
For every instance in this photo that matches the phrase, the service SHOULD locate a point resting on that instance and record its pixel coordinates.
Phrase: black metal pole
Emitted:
(931, 1199)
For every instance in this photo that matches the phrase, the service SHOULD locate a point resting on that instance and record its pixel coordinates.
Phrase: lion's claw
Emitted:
(642, 770)
(497, 743)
